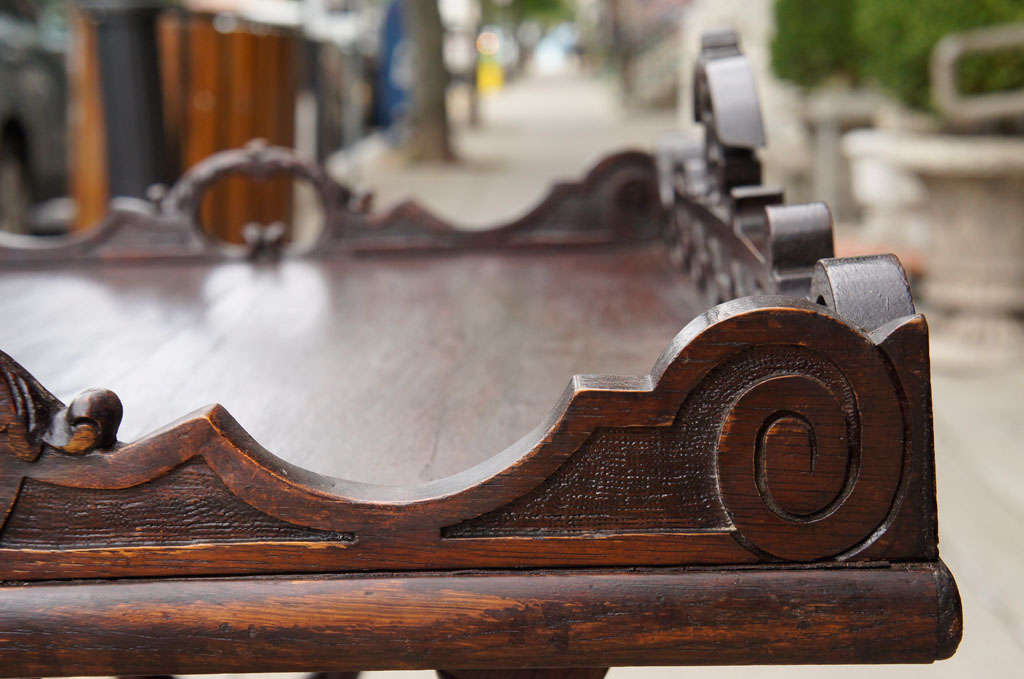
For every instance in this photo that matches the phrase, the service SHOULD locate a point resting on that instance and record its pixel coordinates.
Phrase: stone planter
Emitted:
(969, 191)
(830, 114)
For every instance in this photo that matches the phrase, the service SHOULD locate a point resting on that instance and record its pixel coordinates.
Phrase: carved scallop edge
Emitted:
(297, 496)
(412, 226)
(169, 228)
(131, 231)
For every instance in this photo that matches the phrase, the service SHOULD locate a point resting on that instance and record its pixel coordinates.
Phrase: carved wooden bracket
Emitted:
(731, 235)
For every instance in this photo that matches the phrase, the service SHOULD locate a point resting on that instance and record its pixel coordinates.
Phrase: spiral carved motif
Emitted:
(808, 435)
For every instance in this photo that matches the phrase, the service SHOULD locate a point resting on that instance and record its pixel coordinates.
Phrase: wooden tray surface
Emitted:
(391, 370)
(761, 490)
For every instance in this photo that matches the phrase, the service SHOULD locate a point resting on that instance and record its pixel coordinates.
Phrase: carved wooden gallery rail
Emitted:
(764, 495)
(614, 202)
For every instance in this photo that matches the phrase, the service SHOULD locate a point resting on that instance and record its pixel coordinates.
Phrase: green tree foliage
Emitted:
(898, 38)
(889, 42)
(814, 41)
(515, 11)
(544, 10)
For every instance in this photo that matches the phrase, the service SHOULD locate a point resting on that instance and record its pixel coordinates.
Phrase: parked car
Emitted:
(33, 110)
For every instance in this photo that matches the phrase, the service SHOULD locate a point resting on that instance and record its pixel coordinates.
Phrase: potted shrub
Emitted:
(815, 48)
(957, 68)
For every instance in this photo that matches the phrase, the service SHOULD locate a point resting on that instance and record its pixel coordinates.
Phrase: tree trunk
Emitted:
(621, 46)
(428, 133)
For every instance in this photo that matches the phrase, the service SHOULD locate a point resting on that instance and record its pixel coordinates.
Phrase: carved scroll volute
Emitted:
(89, 422)
(726, 104)
(31, 419)
(811, 445)
(19, 418)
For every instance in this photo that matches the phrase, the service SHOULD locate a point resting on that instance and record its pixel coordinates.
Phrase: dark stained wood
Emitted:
(476, 620)
(729, 233)
(665, 468)
(630, 479)
(484, 307)
(389, 370)
(763, 493)
(614, 202)
(194, 508)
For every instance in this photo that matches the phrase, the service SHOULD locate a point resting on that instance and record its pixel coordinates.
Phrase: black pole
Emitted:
(132, 99)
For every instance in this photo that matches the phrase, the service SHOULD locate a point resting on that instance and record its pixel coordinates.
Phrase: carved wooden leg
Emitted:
(555, 673)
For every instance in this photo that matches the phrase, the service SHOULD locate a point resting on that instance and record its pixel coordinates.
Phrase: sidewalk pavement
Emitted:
(536, 131)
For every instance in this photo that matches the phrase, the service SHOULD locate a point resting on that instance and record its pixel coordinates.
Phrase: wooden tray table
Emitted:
(442, 494)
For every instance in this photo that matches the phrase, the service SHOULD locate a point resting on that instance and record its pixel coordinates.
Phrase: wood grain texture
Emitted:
(764, 493)
(477, 620)
(388, 370)
(654, 469)
(189, 505)
(638, 479)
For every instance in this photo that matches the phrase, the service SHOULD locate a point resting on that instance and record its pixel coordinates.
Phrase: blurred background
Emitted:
(907, 117)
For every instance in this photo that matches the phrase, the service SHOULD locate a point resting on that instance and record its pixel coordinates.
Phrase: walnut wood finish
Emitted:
(392, 370)
(812, 454)
(763, 494)
(770, 431)
(493, 620)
